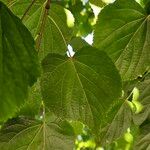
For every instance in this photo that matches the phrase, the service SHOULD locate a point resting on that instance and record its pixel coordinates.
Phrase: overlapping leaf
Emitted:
(123, 32)
(27, 134)
(81, 88)
(119, 125)
(33, 103)
(144, 98)
(77, 43)
(99, 3)
(143, 140)
(52, 27)
(18, 63)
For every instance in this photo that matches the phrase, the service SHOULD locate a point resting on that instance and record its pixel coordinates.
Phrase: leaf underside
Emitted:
(28, 134)
(123, 30)
(80, 88)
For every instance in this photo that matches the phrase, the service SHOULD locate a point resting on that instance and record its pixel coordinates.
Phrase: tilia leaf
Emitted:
(80, 88)
(29, 134)
(143, 139)
(123, 30)
(18, 63)
(50, 29)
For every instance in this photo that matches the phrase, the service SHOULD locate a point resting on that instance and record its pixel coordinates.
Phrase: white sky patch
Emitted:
(95, 9)
(89, 38)
(70, 52)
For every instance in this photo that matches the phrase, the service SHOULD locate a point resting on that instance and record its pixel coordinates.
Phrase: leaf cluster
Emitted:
(96, 96)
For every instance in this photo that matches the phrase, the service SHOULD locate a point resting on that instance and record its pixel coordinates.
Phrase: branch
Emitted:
(27, 10)
(41, 30)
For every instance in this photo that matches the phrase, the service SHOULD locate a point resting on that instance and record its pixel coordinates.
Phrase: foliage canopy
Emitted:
(94, 97)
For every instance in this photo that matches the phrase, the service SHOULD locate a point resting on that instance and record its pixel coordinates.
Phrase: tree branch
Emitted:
(41, 30)
(27, 10)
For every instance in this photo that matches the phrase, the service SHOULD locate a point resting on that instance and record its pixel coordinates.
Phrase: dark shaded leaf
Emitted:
(18, 63)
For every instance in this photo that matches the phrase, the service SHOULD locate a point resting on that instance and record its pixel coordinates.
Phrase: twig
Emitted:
(27, 10)
(41, 30)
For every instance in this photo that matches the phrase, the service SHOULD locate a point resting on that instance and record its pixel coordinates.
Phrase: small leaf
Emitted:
(18, 63)
(80, 88)
(123, 32)
(77, 43)
(143, 140)
(99, 3)
(33, 103)
(27, 134)
(144, 99)
(119, 125)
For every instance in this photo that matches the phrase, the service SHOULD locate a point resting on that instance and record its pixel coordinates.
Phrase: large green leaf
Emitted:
(51, 29)
(18, 62)
(27, 134)
(80, 88)
(123, 30)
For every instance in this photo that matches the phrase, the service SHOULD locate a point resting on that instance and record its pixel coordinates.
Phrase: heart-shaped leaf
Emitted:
(122, 31)
(80, 88)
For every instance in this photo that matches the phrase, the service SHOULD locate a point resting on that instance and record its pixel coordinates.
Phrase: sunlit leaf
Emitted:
(99, 3)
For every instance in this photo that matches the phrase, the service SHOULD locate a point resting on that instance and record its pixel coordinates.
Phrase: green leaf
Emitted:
(143, 85)
(99, 3)
(123, 32)
(119, 125)
(80, 88)
(144, 99)
(77, 43)
(33, 103)
(50, 29)
(28, 134)
(18, 63)
(143, 140)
